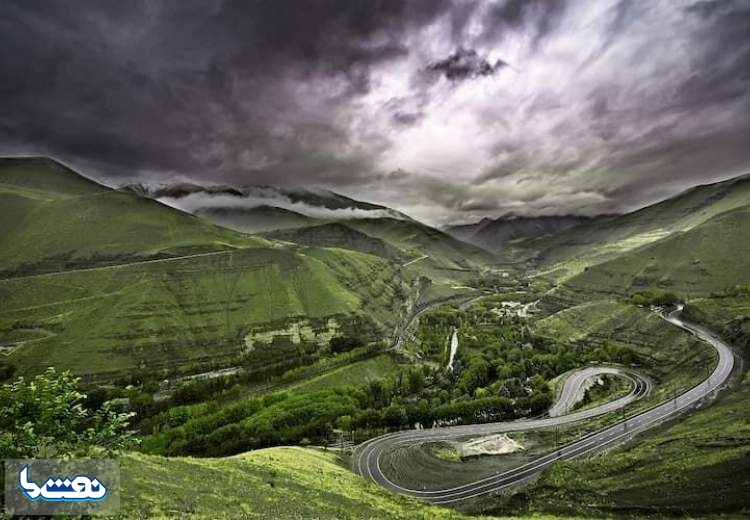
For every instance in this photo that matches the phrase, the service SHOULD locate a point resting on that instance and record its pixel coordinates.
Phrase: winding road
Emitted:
(369, 455)
(578, 381)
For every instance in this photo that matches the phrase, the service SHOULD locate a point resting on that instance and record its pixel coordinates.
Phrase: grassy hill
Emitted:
(446, 255)
(255, 220)
(269, 483)
(195, 311)
(334, 234)
(105, 282)
(51, 217)
(708, 257)
(567, 253)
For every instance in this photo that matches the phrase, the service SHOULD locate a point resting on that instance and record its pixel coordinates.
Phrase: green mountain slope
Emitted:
(709, 257)
(334, 234)
(105, 282)
(603, 238)
(496, 234)
(52, 218)
(416, 240)
(269, 483)
(255, 220)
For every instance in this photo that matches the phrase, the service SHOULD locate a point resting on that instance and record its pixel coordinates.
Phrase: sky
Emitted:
(447, 110)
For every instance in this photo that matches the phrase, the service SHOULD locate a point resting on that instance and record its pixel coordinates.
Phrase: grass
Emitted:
(166, 314)
(270, 483)
(68, 305)
(359, 373)
(695, 263)
(695, 467)
(445, 451)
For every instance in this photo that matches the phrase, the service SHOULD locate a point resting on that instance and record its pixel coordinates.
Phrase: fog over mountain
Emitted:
(447, 110)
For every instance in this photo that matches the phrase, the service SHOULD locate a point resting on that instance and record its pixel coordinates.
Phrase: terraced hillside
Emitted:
(103, 282)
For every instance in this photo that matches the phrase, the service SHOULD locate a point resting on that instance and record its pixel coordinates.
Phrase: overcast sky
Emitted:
(449, 111)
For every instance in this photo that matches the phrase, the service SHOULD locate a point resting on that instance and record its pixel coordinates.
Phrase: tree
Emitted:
(45, 418)
(415, 381)
(346, 423)
(340, 344)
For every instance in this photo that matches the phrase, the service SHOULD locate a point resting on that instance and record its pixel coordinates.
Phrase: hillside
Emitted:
(602, 238)
(416, 240)
(256, 219)
(103, 282)
(339, 235)
(269, 483)
(495, 234)
(52, 218)
(708, 257)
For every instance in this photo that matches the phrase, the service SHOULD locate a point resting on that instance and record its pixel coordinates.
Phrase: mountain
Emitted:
(256, 219)
(50, 215)
(710, 256)
(417, 240)
(103, 282)
(335, 234)
(231, 205)
(495, 234)
(569, 252)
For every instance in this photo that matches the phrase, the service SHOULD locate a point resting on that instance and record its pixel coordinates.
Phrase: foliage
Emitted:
(340, 344)
(44, 417)
(657, 297)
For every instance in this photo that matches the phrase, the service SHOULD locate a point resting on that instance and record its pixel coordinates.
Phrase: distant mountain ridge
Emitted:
(255, 209)
(494, 234)
(256, 219)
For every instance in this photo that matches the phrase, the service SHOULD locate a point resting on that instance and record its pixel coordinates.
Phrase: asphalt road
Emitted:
(368, 456)
(575, 385)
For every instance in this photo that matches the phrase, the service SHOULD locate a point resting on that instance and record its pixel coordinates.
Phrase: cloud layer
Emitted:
(449, 111)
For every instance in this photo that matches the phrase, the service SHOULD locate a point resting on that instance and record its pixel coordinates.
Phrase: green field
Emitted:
(358, 373)
(269, 483)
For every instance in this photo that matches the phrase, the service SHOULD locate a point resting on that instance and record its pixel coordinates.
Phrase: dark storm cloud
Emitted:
(465, 64)
(609, 103)
(189, 86)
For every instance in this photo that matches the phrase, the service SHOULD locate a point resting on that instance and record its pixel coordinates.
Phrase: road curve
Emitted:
(367, 456)
(574, 386)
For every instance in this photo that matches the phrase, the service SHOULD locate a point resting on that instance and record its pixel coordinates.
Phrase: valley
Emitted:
(269, 358)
